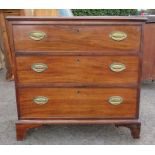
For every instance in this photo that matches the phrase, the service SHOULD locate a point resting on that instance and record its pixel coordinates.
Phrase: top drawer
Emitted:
(77, 38)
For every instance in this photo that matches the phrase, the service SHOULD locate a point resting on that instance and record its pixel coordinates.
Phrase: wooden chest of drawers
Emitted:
(79, 70)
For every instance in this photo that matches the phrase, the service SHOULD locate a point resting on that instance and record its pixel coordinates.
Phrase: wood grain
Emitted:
(149, 52)
(76, 38)
(78, 69)
(21, 130)
(77, 102)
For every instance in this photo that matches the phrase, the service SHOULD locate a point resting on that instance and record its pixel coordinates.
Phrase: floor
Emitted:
(75, 135)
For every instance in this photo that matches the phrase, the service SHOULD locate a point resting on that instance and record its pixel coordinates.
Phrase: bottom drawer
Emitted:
(77, 102)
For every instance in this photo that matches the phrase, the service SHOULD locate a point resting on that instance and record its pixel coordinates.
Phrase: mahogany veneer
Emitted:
(76, 38)
(149, 50)
(64, 69)
(77, 103)
(77, 70)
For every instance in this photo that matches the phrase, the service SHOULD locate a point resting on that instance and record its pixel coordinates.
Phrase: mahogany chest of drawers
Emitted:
(77, 70)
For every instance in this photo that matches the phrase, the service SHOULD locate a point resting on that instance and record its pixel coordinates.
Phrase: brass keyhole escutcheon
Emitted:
(78, 92)
(78, 60)
(77, 30)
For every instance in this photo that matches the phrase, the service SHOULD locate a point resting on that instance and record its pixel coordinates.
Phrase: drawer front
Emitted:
(77, 102)
(78, 69)
(76, 38)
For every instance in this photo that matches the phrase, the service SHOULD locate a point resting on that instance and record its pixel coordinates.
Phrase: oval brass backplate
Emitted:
(39, 67)
(115, 100)
(117, 67)
(118, 35)
(37, 35)
(40, 100)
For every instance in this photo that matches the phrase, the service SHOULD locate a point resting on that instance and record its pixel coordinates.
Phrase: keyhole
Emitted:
(78, 92)
(76, 30)
(78, 60)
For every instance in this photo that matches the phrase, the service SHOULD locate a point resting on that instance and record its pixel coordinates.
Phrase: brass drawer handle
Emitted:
(39, 67)
(115, 100)
(40, 100)
(117, 67)
(37, 35)
(118, 35)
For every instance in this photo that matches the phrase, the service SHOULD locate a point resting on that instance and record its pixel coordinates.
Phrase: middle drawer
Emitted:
(78, 69)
